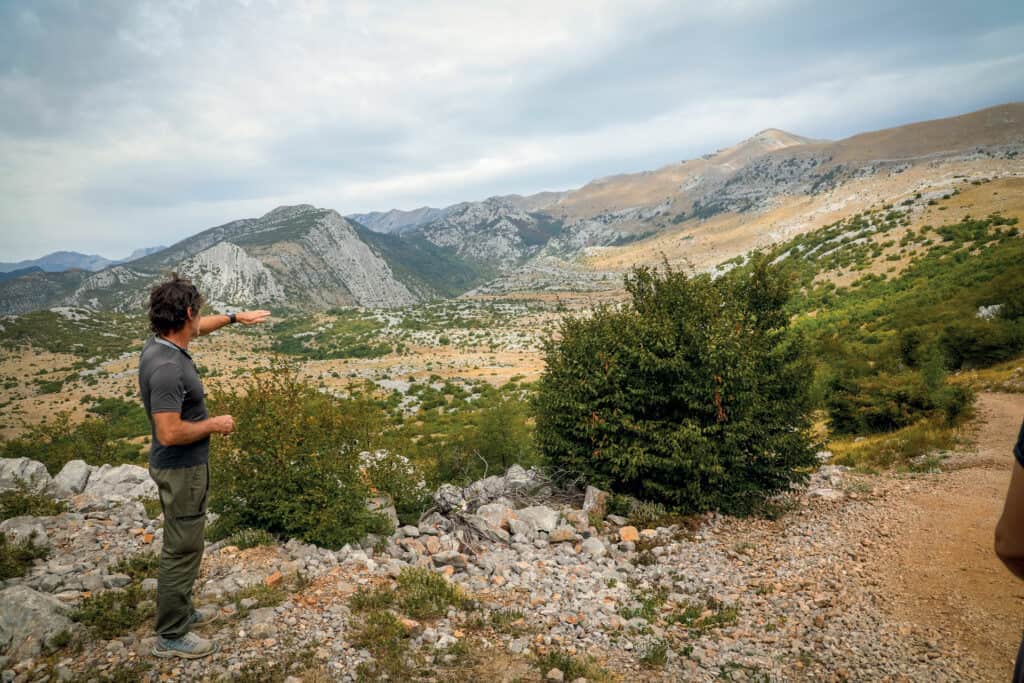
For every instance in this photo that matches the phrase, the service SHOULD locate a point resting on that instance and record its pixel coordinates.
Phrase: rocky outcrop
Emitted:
(30, 622)
(120, 483)
(73, 477)
(24, 472)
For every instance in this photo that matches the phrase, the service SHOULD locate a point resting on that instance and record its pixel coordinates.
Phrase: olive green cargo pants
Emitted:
(183, 493)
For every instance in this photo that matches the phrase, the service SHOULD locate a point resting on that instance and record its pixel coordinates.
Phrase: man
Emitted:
(1010, 532)
(178, 459)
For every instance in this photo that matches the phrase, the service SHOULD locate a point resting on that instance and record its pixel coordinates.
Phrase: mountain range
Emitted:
(59, 261)
(699, 212)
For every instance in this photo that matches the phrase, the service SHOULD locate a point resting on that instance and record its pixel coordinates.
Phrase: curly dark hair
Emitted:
(169, 303)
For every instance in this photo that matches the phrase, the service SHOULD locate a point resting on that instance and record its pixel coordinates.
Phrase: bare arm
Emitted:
(1010, 530)
(171, 430)
(209, 323)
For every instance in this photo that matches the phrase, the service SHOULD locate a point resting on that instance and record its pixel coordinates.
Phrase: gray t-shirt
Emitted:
(169, 383)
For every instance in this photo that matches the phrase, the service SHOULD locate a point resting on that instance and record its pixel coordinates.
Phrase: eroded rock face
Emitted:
(225, 272)
(26, 472)
(29, 622)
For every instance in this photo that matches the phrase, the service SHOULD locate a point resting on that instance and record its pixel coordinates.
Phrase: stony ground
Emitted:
(864, 578)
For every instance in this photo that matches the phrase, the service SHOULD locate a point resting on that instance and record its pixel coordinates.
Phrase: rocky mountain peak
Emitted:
(282, 213)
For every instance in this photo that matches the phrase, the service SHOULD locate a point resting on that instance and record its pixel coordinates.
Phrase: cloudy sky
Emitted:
(127, 124)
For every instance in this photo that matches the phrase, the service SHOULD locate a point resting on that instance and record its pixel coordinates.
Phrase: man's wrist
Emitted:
(232, 318)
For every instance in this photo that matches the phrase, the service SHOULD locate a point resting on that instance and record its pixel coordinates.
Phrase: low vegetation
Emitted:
(96, 440)
(17, 556)
(295, 470)
(22, 500)
(111, 613)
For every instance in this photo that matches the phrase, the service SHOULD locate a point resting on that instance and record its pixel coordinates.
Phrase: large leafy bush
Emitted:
(694, 394)
(292, 465)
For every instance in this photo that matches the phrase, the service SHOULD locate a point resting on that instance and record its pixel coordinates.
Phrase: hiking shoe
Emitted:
(203, 615)
(189, 646)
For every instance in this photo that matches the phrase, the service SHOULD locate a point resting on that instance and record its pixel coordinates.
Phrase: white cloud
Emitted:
(175, 116)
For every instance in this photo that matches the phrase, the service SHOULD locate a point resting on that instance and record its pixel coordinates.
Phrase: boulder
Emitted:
(522, 481)
(522, 529)
(73, 477)
(448, 498)
(485, 528)
(595, 502)
(121, 483)
(496, 514)
(383, 504)
(578, 518)
(541, 516)
(517, 476)
(29, 622)
(22, 528)
(562, 534)
(485, 490)
(15, 472)
(593, 547)
(629, 534)
(451, 558)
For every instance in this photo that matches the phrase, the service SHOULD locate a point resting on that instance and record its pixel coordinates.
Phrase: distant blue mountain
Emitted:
(10, 275)
(60, 261)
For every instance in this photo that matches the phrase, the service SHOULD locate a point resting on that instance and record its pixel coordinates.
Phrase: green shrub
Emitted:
(139, 567)
(400, 478)
(124, 672)
(384, 636)
(502, 435)
(291, 467)
(654, 654)
(423, 594)
(56, 442)
(981, 343)
(367, 599)
(126, 418)
(572, 667)
(265, 596)
(885, 403)
(16, 558)
(693, 395)
(250, 538)
(114, 613)
(21, 500)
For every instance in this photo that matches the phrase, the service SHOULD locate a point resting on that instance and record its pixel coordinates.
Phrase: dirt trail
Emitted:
(944, 573)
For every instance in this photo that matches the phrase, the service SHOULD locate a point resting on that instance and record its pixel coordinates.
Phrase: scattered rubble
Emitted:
(792, 599)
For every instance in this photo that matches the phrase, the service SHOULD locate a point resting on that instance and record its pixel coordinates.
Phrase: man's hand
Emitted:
(251, 317)
(222, 424)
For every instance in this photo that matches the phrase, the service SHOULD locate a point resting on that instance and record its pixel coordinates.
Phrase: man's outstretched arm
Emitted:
(209, 323)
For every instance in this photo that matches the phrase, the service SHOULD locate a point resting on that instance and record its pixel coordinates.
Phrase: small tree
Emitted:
(694, 394)
(292, 465)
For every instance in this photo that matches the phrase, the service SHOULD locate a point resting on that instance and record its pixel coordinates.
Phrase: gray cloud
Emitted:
(126, 124)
